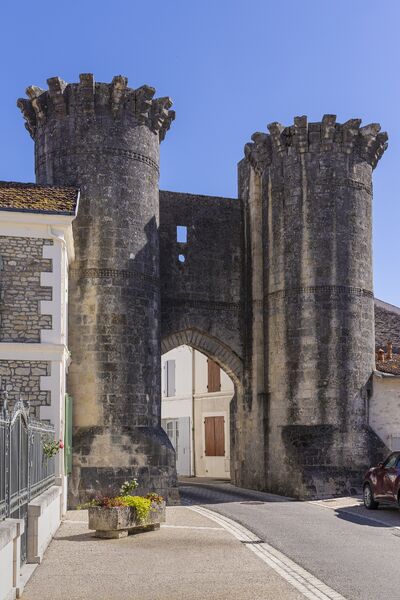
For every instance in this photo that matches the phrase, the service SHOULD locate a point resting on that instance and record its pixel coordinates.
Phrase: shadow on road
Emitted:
(385, 516)
(207, 492)
(221, 492)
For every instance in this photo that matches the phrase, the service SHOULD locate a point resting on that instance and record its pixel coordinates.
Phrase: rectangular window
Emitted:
(181, 234)
(214, 436)
(214, 376)
(169, 378)
(171, 427)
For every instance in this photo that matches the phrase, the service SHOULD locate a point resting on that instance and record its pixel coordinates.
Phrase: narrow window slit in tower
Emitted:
(181, 234)
(181, 241)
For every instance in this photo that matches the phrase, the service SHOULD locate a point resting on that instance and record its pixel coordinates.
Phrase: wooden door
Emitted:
(214, 435)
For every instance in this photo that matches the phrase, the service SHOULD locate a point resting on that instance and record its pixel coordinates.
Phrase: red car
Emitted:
(382, 483)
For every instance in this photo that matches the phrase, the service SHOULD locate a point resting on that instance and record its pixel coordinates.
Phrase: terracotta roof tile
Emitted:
(30, 197)
(390, 365)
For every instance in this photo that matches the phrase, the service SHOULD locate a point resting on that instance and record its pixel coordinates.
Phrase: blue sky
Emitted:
(231, 67)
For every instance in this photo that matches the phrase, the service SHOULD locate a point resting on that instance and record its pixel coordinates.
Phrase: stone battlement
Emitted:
(301, 137)
(89, 99)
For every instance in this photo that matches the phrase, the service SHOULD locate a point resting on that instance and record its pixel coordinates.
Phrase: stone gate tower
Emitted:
(104, 139)
(275, 286)
(312, 184)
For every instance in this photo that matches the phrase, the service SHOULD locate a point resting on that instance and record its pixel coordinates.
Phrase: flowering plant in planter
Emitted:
(51, 447)
(154, 498)
(128, 486)
(142, 505)
(118, 516)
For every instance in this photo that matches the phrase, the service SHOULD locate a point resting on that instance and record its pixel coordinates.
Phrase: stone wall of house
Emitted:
(22, 381)
(21, 263)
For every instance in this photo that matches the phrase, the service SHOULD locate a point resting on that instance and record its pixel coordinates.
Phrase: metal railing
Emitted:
(25, 470)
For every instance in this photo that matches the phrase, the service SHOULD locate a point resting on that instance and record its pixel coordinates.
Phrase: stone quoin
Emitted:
(275, 286)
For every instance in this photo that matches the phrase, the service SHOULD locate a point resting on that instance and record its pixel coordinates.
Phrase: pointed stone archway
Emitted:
(230, 362)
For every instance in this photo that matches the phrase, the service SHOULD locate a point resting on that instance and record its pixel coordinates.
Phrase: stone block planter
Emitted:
(120, 521)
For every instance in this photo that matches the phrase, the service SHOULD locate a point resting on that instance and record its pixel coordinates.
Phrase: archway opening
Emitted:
(196, 411)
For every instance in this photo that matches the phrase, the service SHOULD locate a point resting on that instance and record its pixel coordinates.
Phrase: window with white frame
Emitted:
(169, 378)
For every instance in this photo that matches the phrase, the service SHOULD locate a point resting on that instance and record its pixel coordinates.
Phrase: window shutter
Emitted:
(165, 379)
(214, 376)
(68, 434)
(209, 436)
(219, 432)
(170, 378)
(214, 435)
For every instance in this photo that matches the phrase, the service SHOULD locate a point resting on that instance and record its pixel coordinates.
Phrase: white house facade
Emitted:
(195, 412)
(384, 398)
(36, 248)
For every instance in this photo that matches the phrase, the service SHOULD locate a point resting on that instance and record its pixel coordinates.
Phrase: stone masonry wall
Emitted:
(21, 263)
(23, 382)
(318, 300)
(204, 292)
(104, 138)
(202, 297)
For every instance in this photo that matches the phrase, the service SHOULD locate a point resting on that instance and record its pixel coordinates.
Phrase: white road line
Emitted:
(311, 587)
(191, 527)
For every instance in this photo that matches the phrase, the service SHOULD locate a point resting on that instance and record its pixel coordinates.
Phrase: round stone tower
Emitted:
(104, 139)
(318, 302)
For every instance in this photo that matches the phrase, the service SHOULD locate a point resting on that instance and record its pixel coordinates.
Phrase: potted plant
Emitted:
(123, 514)
(51, 447)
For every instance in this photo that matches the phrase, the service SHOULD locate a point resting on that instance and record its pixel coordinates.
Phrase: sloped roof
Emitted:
(31, 197)
(391, 365)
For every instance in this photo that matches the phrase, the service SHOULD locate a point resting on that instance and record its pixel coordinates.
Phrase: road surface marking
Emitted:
(192, 527)
(311, 587)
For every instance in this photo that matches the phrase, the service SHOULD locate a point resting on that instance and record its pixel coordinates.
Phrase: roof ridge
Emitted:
(24, 184)
(389, 305)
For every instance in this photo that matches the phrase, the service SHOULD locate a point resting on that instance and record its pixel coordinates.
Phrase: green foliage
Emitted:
(128, 486)
(140, 504)
(51, 447)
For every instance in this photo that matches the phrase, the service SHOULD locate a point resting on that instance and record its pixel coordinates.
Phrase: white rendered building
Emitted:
(196, 395)
(36, 249)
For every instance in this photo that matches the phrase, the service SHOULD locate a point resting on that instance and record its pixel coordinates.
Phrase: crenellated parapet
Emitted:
(367, 142)
(88, 99)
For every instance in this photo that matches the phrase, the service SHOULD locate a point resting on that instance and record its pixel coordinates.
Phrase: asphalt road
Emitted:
(354, 551)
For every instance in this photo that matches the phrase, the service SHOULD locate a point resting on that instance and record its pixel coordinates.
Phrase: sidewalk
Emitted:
(190, 558)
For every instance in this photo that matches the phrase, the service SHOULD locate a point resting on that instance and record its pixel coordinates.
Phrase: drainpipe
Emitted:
(193, 392)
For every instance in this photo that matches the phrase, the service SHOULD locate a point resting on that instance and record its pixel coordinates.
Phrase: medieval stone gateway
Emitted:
(275, 286)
